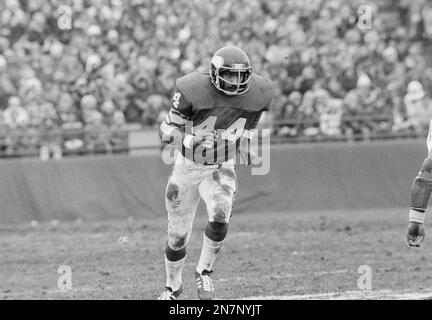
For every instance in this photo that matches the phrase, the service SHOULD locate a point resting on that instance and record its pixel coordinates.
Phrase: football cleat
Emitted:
(168, 294)
(205, 287)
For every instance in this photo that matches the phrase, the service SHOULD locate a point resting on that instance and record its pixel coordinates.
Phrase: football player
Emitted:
(420, 193)
(211, 121)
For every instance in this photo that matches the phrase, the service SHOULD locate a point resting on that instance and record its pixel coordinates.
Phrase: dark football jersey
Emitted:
(198, 104)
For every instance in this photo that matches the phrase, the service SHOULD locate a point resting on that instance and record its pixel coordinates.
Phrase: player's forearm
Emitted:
(421, 190)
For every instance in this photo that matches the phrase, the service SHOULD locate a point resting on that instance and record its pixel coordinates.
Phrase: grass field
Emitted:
(267, 255)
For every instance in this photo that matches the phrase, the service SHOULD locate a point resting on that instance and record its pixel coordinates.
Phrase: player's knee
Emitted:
(216, 231)
(177, 241)
(221, 211)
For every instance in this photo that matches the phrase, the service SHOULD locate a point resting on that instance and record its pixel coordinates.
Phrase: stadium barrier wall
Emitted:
(302, 177)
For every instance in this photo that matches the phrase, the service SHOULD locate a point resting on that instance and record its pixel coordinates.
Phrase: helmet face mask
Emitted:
(231, 71)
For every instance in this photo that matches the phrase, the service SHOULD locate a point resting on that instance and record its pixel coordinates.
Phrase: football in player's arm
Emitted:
(211, 122)
(173, 127)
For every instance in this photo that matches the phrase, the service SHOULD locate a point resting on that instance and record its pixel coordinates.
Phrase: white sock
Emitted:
(174, 273)
(209, 253)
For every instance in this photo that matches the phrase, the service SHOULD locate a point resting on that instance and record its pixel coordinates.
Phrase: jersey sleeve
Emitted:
(181, 109)
(270, 95)
(267, 107)
(254, 120)
(180, 112)
(251, 125)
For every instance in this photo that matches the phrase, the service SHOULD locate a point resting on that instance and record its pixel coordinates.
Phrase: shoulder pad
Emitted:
(194, 86)
(261, 90)
(264, 85)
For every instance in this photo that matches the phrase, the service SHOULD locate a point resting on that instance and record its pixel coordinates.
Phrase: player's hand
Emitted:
(415, 234)
(205, 137)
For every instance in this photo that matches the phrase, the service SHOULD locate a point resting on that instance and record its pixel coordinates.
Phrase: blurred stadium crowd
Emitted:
(117, 66)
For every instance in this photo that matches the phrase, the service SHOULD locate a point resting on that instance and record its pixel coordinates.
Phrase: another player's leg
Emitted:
(218, 192)
(420, 193)
(181, 199)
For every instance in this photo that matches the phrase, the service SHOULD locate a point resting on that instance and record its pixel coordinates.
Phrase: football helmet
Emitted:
(231, 71)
